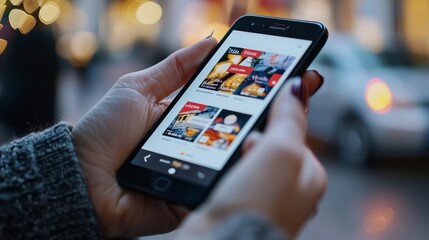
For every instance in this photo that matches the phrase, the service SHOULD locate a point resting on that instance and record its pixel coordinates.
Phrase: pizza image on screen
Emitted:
(224, 129)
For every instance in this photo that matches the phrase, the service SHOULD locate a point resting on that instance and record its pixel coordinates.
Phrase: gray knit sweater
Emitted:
(43, 194)
(42, 191)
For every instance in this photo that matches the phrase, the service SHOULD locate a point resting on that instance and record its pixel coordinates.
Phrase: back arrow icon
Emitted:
(146, 158)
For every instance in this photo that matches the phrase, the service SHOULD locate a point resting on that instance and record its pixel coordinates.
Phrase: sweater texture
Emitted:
(42, 190)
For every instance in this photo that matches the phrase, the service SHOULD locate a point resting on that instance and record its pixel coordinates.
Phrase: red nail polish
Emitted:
(322, 80)
(298, 89)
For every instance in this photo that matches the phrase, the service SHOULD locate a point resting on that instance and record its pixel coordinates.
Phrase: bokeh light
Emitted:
(72, 18)
(378, 220)
(79, 48)
(22, 21)
(16, 2)
(3, 45)
(149, 13)
(415, 20)
(369, 34)
(31, 5)
(200, 19)
(2, 10)
(49, 13)
(378, 96)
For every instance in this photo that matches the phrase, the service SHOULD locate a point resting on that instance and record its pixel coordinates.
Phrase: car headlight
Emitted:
(378, 96)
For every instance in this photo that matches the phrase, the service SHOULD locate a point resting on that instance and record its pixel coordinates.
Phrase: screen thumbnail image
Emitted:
(190, 121)
(247, 72)
(224, 129)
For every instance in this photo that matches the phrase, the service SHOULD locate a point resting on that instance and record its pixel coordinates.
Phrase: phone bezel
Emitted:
(191, 194)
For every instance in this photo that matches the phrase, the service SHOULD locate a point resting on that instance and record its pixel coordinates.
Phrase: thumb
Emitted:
(287, 115)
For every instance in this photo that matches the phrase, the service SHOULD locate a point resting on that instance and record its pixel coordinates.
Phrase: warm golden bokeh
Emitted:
(22, 21)
(378, 220)
(3, 45)
(78, 48)
(49, 13)
(2, 10)
(378, 96)
(149, 13)
(16, 2)
(416, 24)
(16, 18)
(31, 5)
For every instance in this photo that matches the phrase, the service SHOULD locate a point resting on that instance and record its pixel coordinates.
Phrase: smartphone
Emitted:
(199, 136)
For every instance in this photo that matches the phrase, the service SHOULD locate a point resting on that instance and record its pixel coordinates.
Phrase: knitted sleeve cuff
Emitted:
(45, 189)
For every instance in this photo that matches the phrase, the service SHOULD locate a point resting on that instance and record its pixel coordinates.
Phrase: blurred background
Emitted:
(369, 124)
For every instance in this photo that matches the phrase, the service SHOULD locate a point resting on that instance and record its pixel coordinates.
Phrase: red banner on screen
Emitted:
(240, 69)
(251, 53)
(274, 79)
(191, 106)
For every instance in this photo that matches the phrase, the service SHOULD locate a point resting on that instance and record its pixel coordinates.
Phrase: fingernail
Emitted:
(322, 80)
(300, 91)
(211, 35)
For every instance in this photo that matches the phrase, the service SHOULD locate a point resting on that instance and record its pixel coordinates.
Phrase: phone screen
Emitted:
(211, 119)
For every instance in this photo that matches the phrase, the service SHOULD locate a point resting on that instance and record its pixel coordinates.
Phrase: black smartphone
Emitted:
(200, 134)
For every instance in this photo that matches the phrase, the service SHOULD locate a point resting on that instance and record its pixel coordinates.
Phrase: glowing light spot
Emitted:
(83, 47)
(3, 45)
(378, 220)
(378, 96)
(375, 224)
(42, 2)
(49, 13)
(16, 17)
(16, 2)
(2, 10)
(78, 48)
(149, 13)
(369, 33)
(20, 20)
(31, 5)
(386, 213)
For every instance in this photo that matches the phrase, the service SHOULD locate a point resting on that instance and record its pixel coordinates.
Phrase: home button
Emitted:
(162, 184)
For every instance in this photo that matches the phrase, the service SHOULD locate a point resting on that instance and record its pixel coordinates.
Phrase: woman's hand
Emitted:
(278, 176)
(110, 131)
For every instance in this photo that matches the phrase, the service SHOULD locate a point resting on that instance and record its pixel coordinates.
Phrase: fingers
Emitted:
(287, 120)
(313, 81)
(251, 141)
(170, 74)
(287, 116)
(310, 82)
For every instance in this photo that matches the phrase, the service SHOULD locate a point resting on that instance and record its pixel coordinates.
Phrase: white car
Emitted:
(368, 111)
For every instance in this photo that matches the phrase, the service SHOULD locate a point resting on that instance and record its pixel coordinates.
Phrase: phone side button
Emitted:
(162, 184)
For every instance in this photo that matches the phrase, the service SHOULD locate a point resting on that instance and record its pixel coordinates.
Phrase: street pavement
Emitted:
(385, 202)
